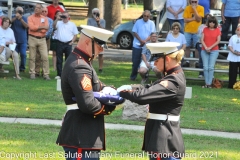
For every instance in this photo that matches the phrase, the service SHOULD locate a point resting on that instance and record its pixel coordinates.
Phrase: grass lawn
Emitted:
(37, 142)
(210, 109)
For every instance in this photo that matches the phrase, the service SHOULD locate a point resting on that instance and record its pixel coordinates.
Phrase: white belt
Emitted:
(72, 107)
(162, 117)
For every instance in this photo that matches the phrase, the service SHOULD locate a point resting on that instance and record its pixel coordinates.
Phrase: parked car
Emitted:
(123, 32)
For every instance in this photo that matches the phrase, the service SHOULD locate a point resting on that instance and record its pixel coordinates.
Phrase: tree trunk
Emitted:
(95, 4)
(112, 13)
(148, 5)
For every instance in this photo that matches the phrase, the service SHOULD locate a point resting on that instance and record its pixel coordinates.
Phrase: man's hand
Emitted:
(223, 19)
(18, 16)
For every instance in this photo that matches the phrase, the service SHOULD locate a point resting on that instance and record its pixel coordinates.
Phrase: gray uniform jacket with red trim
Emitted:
(84, 127)
(166, 98)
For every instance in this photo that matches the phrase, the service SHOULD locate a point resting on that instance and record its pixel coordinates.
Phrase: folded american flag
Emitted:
(107, 99)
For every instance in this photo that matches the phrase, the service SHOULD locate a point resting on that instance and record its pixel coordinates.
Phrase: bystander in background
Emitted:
(210, 39)
(234, 57)
(19, 27)
(141, 31)
(96, 21)
(175, 12)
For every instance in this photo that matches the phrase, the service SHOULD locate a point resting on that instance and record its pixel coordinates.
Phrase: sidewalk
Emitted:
(120, 127)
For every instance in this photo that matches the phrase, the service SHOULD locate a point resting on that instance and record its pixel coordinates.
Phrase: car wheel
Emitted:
(125, 40)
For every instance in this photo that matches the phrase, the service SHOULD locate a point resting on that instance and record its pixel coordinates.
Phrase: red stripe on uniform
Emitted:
(79, 154)
(158, 157)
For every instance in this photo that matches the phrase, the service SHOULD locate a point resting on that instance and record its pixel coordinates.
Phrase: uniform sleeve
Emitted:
(153, 94)
(80, 80)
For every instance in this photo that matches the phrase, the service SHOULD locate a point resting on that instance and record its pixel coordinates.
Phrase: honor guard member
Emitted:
(82, 132)
(162, 137)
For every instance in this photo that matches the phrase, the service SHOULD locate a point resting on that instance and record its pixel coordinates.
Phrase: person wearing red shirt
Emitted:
(53, 8)
(211, 36)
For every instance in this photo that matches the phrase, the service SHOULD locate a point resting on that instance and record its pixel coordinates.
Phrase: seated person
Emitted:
(7, 39)
(145, 65)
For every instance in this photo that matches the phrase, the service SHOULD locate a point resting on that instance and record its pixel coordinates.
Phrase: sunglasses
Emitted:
(95, 13)
(175, 28)
(194, 1)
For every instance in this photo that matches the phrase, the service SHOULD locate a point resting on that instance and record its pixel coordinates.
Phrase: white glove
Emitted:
(109, 90)
(124, 87)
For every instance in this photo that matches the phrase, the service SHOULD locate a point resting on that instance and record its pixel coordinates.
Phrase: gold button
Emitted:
(94, 116)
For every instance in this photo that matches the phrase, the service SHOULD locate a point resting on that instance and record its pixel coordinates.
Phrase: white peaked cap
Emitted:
(163, 47)
(99, 33)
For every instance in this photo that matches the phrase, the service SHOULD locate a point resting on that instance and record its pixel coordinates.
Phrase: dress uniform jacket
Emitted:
(163, 137)
(84, 127)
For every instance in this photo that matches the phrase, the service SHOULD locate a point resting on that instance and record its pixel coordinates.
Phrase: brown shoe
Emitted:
(32, 76)
(47, 78)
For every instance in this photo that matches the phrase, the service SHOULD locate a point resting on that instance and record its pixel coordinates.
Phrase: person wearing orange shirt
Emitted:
(53, 8)
(38, 26)
(192, 15)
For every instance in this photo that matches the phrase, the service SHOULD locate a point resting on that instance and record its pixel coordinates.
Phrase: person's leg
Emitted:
(100, 62)
(200, 63)
(37, 63)
(170, 22)
(181, 21)
(234, 24)
(15, 58)
(54, 60)
(32, 55)
(59, 54)
(205, 59)
(67, 51)
(225, 28)
(188, 37)
(195, 40)
(44, 58)
(136, 60)
(233, 70)
(142, 70)
(212, 61)
(23, 55)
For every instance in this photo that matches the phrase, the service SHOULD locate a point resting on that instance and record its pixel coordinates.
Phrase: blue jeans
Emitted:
(22, 48)
(209, 60)
(136, 60)
(191, 39)
(181, 21)
(200, 63)
(73, 154)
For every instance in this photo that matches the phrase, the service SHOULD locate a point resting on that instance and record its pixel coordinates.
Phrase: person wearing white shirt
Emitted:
(66, 34)
(175, 12)
(234, 57)
(8, 40)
